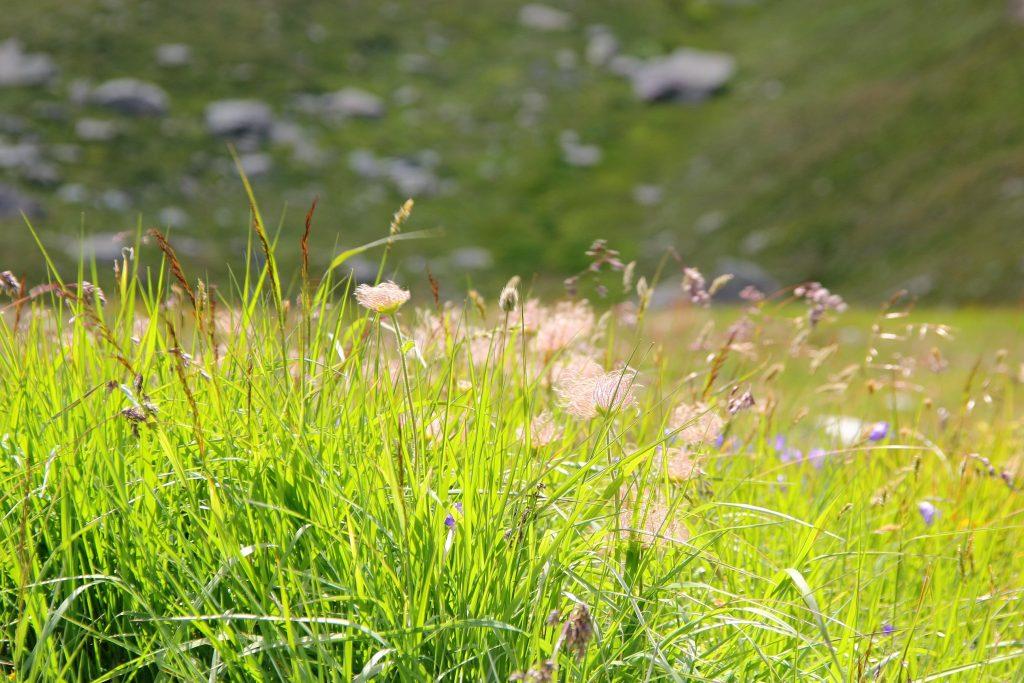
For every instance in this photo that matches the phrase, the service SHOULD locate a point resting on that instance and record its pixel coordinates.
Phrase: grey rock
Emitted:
(13, 203)
(602, 46)
(472, 258)
(102, 246)
(354, 102)
(19, 155)
(744, 274)
(239, 118)
(347, 103)
(709, 222)
(647, 195)
(19, 68)
(544, 17)
(11, 124)
(304, 149)
(115, 200)
(256, 164)
(131, 97)
(412, 177)
(173, 55)
(577, 154)
(42, 173)
(73, 193)
(685, 75)
(172, 217)
(96, 130)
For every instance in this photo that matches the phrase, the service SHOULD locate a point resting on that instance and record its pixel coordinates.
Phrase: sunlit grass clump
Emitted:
(327, 482)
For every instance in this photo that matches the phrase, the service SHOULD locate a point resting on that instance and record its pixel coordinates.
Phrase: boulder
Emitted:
(239, 118)
(352, 103)
(602, 46)
(576, 153)
(96, 130)
(173, 55)
(686, 75)
(13, 203)
(544, 18)
(131, 97)
(19, 68)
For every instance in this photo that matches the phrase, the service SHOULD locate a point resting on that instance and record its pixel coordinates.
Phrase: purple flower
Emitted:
(816, 456)
(449, 520)
(791, 455)
(888, 629)
(780, 442)
(928, 512)
(879, 431)
(719, 440)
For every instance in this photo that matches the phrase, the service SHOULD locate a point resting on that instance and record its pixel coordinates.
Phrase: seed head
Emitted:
(578, 631)
(508, 301)
(9, 284)
(696, 423)
(385, 298)
(695, 287)
(90, 292)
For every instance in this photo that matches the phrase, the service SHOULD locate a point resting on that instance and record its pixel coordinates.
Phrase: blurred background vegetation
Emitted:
(871, 145)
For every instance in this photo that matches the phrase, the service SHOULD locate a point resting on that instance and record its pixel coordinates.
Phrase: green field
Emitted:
(870, 145)
(279, 484)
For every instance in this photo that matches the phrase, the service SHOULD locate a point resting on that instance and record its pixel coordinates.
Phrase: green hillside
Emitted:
(869, 144)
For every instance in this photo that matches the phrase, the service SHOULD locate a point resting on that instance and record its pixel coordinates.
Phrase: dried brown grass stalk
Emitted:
(176, 269)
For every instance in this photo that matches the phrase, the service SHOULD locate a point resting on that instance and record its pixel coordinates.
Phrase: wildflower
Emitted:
(928, 512)
(585, 397)
(568, 322)
(816, 456)
(740, 401)
(678, 465)
(508, 300)
(90, 292)
(696, 423)
(752, 294)
(449, 520)
(888, 629)
(695, 287)
(540, 673)
(819, 300)
(578, 631)
(878, 431)
(654, 521)
(9, 284)
(543, 430)
(385, 298)
(600, 254)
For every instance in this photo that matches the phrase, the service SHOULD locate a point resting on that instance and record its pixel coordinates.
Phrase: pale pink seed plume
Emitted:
(566, 323)
(651, 521)
(697, 423)
(543, 430)
(677, 464)
(584, 397)
(387, 297)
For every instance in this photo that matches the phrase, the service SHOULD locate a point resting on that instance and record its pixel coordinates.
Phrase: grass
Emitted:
(869, 128)
(268, 486)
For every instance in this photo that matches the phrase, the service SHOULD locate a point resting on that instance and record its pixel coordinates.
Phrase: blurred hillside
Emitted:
(870, 144)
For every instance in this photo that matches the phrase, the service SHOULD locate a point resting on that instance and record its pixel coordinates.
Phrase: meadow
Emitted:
(872, 128)
(299, 478)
